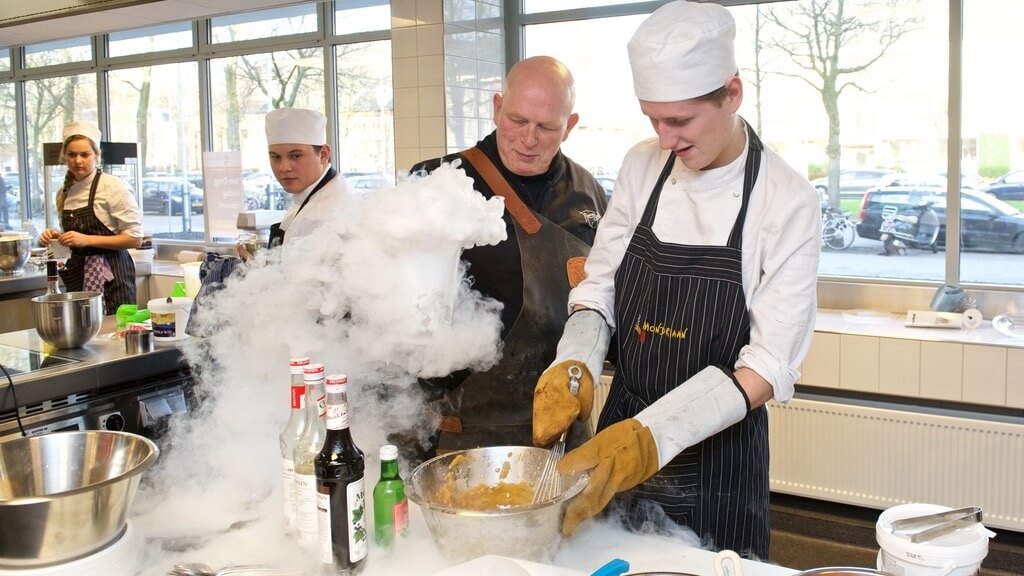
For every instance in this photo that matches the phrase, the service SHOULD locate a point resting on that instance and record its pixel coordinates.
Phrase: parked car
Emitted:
(608, 183)
(852, 183)
(986, 223)
(165, 195)
(1009, 186)
(264, 192)
(365, 181)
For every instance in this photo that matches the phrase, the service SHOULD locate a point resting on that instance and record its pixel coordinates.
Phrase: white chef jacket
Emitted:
(115, 205)
(781, 247)
(321, 207)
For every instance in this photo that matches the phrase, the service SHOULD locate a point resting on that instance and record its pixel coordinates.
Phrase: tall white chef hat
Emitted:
(681, 51)
(296, 126)
(82, 129)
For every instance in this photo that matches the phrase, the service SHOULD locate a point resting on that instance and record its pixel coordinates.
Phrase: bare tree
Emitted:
(814, 35)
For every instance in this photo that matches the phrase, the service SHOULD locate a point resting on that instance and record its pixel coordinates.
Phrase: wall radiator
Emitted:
(879, 458)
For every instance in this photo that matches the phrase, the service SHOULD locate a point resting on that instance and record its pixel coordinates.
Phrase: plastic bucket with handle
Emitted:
(958, 553)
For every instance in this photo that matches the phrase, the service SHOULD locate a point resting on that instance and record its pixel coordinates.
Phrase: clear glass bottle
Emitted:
(52, 278)
(390, 506)
(341, 492)
(306, 450)
(289, 437)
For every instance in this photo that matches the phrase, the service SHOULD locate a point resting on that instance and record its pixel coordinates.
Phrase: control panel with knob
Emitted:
(113, 421)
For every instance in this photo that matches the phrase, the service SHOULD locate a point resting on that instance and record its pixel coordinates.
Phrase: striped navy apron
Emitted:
(120, 290)
(680, 308)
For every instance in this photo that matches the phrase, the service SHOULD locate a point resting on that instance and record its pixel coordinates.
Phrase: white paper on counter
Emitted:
(502, 566)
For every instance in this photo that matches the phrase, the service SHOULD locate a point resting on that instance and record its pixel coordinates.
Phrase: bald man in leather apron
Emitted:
(552, 209)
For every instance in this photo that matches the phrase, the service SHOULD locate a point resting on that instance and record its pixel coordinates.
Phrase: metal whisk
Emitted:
(549, 484)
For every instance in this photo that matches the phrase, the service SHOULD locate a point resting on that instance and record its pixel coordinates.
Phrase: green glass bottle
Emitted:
(390, 506)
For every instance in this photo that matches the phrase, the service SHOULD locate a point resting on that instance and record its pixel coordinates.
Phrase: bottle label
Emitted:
(401, 516)
(323, 512)
(357, 541)
(298, 392)
(287, 491)
(321, 406)
(306, 510)
(337, 416)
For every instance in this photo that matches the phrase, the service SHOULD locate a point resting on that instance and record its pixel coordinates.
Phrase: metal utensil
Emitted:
(547, 488)
(934, 525)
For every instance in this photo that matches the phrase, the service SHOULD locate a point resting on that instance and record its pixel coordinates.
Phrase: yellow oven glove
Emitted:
(554, 407)
(583, 344)
(618, 458)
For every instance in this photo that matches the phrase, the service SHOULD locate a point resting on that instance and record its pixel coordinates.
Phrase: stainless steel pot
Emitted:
(530, 532)
(68, 320)
(66, 495)
(14, 252)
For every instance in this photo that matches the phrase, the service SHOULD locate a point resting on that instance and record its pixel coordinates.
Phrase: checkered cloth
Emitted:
(96, 273)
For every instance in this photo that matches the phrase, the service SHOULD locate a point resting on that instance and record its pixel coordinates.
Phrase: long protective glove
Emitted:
(618, 458)
(707, 403)
(584, 343)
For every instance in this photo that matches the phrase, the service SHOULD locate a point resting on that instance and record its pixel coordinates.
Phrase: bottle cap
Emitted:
(313, 372)
(295, 365)
(389, 452)
(336, 383)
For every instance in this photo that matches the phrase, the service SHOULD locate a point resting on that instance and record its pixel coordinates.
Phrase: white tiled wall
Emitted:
(973, 373)
(448, 62)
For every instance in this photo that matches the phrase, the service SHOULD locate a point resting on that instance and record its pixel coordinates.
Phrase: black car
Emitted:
(1009, 186)
(987, 223)
(165, 195)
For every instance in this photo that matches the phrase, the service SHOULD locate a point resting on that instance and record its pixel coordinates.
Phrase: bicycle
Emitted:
(837, 230)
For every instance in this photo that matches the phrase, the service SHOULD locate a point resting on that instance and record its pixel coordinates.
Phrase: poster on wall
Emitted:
(222, 177)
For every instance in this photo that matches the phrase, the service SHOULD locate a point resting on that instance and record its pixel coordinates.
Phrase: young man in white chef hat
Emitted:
(301, 161)
(706, 265)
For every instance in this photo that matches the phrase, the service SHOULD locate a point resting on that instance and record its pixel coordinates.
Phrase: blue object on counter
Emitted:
(613, 568)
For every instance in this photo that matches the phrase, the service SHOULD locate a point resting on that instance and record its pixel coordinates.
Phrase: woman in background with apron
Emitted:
(100, 219)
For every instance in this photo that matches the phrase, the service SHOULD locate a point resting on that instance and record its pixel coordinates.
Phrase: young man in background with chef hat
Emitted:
(705, 265)
(301, 161)
(100, 219)
(552, 209)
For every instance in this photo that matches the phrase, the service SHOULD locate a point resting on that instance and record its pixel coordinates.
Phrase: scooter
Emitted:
(916, 227)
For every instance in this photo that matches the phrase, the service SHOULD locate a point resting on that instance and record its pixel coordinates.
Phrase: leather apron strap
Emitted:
(522, 214)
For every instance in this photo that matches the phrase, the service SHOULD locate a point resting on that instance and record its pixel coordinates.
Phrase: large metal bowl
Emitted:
(68, 320)
(14, 252)
(530, 532)
(67, 495)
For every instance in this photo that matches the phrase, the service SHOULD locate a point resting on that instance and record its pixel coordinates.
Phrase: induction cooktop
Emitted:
(22, 361)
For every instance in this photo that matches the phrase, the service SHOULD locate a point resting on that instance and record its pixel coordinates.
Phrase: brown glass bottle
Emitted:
(341, 493)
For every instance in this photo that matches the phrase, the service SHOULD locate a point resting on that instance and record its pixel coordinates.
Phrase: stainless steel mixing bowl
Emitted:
(531, 532)
(67, 494)
(68, 320)
(14, 252)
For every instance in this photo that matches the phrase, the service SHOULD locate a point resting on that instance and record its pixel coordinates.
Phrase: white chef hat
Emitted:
(681, 51)
(296, 126)
(82, 129)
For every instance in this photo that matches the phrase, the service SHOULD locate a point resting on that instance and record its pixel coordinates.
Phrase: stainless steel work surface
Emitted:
(101, 363)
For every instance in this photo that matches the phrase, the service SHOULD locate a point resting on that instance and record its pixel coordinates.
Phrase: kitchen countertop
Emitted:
(31, 279)
(101, 363)
(889, 325)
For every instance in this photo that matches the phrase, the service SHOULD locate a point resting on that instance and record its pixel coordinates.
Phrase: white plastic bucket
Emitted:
(169, 319)
(190, 270)
(958, 553)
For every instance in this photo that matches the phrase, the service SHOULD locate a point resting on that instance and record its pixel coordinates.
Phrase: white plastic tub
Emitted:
(958, 553)
(169, 319)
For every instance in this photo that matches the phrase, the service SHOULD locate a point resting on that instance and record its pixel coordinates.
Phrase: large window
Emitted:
(884, 129)
(158, 108)
(10, 179)
(993, 144)
(151, 39)
(243, 90)
(272, 23)
(50, 103)
(365, 127)
(58, 52)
